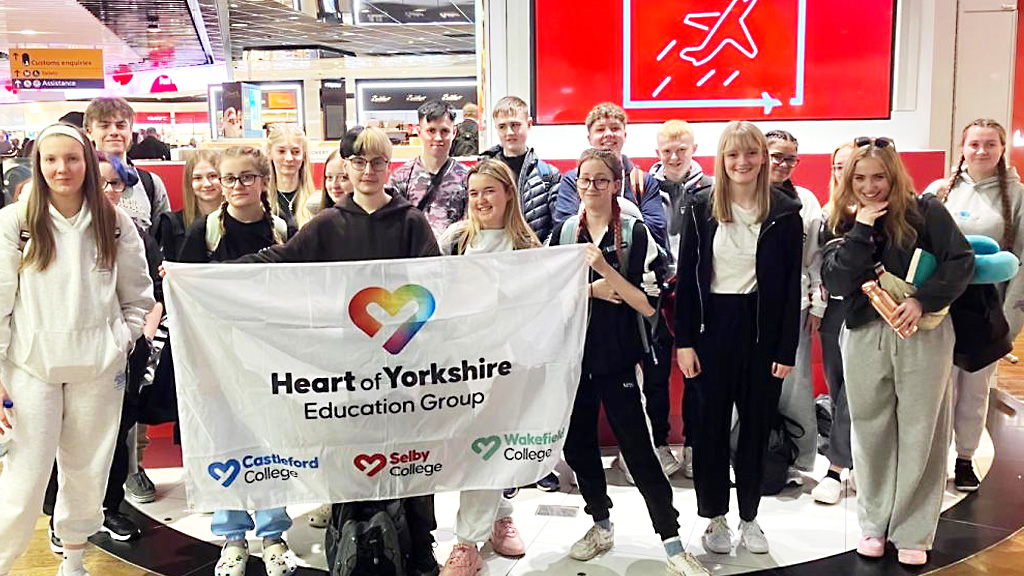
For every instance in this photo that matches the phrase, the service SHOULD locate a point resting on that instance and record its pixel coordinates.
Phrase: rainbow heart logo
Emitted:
(392, 303)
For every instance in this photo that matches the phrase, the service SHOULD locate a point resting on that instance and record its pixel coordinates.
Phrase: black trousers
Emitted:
(122, 455)
(734, 370)
(657, 368)
(840, 452)
(620, 394)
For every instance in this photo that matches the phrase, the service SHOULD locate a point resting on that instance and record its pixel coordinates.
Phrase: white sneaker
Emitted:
(717, 537)
(620, 463)
(595, 541)
(685, 564)
(669, 463)
(752, 537)
(852, 481)
(62, 572)
(321, 516)
(688, 462)
(794, 477)
(827, 491)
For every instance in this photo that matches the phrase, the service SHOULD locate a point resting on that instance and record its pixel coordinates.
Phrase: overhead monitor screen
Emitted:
(713, 60)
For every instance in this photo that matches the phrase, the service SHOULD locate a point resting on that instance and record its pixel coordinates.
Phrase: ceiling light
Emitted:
(293, 17)
(28, 32)
(239, 25)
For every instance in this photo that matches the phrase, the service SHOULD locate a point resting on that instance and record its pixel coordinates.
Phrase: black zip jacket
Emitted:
(538, 188)
(779, 251)
(849, 260)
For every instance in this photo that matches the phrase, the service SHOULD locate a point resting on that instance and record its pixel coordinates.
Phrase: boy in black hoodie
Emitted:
(370, 224)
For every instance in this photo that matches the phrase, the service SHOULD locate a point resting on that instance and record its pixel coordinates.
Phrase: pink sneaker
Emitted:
(912, 557)
(505, 538)
(465, 560)
(871, 547)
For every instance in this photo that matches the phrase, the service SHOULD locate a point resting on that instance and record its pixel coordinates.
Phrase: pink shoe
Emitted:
(465, 560)
(871, 547)
(912, 557)
(505, 538)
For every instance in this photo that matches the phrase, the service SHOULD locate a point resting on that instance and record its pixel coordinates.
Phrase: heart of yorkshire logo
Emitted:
(225, 472)
(392, 303)
(371, 464)
(486, 446)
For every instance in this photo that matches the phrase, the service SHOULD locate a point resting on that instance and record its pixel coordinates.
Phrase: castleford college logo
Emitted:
(392, 303)
(225, 472)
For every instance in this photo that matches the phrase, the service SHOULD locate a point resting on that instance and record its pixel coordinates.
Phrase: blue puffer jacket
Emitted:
(538, 189)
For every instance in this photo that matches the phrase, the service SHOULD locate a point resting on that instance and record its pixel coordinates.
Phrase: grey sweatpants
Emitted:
(797, 400)
(900, 396)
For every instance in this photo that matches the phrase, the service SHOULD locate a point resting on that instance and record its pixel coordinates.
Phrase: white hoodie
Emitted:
(73, 322)
(812, 293)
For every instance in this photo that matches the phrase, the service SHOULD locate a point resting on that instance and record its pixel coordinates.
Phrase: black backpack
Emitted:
(368, 539)
(467, 139)
(780, 454)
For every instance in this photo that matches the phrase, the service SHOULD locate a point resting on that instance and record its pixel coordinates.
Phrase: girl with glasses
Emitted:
(797, 400)
(620, 250)
(985, 198)
(899, 389)
(839, 452)
(737, 325)
(73, 298)
(242, 225)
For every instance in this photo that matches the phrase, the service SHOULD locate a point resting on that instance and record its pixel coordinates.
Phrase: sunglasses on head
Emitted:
(882, 142)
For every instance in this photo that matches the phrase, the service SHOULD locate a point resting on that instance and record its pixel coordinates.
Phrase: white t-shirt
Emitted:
(733, 265)
(487, 241)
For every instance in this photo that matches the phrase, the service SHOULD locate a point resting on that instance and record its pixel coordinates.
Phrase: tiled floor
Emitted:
(798, 528)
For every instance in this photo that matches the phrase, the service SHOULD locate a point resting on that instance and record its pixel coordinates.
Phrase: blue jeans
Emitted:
(233, 524)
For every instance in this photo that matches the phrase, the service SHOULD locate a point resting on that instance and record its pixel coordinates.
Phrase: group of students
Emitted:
(755, 264)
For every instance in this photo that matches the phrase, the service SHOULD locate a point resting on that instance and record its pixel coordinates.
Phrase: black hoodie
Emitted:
(779, 253)
(348, 233)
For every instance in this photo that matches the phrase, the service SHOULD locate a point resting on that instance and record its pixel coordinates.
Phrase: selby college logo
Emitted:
(392, 303)
(410, 463)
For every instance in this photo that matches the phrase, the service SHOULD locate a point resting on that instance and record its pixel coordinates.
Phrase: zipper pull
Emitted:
(701, 327)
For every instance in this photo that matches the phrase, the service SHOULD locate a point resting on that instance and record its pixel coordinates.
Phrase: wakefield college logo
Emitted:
(392, 303)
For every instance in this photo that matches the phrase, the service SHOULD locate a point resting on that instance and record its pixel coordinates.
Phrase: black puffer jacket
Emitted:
(538, 189)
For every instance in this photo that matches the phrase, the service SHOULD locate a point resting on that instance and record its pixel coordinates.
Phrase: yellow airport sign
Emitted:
(56, 68)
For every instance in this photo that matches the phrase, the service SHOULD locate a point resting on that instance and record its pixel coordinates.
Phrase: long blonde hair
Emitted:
(902, 213)
(190, 211)
(740, 135)
(833, 182)
(514, 222)
(278, 133)
(42, 246)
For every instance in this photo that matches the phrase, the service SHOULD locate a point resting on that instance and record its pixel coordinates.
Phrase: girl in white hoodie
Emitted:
(985, 198)
(74, 292)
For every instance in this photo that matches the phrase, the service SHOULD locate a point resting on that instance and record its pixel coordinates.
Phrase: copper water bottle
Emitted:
(885, 306)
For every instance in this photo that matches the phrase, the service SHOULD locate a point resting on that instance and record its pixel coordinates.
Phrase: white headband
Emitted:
(63, 130)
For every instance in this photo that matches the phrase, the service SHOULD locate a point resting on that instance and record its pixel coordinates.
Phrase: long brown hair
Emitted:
(276, 134)
(261, 164)
(612, 161)
(514, 223)
(1009, 230)
(739, 135)
(902, 213)
(190, 211)
(42, 247)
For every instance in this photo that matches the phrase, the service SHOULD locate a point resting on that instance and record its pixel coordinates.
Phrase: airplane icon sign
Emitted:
(730, 25)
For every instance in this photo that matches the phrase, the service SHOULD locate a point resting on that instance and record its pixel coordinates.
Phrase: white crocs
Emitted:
(279, 560)
(233, 558)
(320, 517)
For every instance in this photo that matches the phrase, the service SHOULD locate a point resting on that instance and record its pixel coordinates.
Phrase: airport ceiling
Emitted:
(146, 34)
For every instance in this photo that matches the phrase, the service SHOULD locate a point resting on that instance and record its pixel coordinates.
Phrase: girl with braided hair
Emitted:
(619, 250)
(737, 325)
(985, 198)
(242, 225)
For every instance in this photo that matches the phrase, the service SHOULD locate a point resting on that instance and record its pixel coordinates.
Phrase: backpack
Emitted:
(368, 539)
(568, 236)
(147, 183)
(213, 231)
(467, 139)
(780, 454)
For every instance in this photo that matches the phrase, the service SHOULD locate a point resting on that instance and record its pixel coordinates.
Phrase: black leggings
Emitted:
(620, 394)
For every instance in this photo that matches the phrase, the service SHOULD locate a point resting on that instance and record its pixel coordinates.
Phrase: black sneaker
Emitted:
(510, 493)
(964, 478)
(423, 562)
(56, 546)
(119, 526)
(548, 483)
(139, 488)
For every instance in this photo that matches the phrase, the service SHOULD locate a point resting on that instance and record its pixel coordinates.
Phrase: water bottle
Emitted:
(5, 432)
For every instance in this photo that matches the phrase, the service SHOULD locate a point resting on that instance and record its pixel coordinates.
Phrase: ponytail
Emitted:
(268, 215)
(1009, 230)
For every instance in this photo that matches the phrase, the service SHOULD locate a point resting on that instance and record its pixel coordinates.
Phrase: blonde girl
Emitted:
(291, 190)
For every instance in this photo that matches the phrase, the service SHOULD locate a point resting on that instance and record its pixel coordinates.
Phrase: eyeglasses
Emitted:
(881, 142)
(115, 185)
(247, 179)
(597, 183)
(779, 158)
(377, 164)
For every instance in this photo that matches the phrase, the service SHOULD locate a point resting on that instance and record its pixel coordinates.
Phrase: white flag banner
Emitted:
(306, 383)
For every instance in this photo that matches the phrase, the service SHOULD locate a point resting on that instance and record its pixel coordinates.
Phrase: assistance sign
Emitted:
(56, 68)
